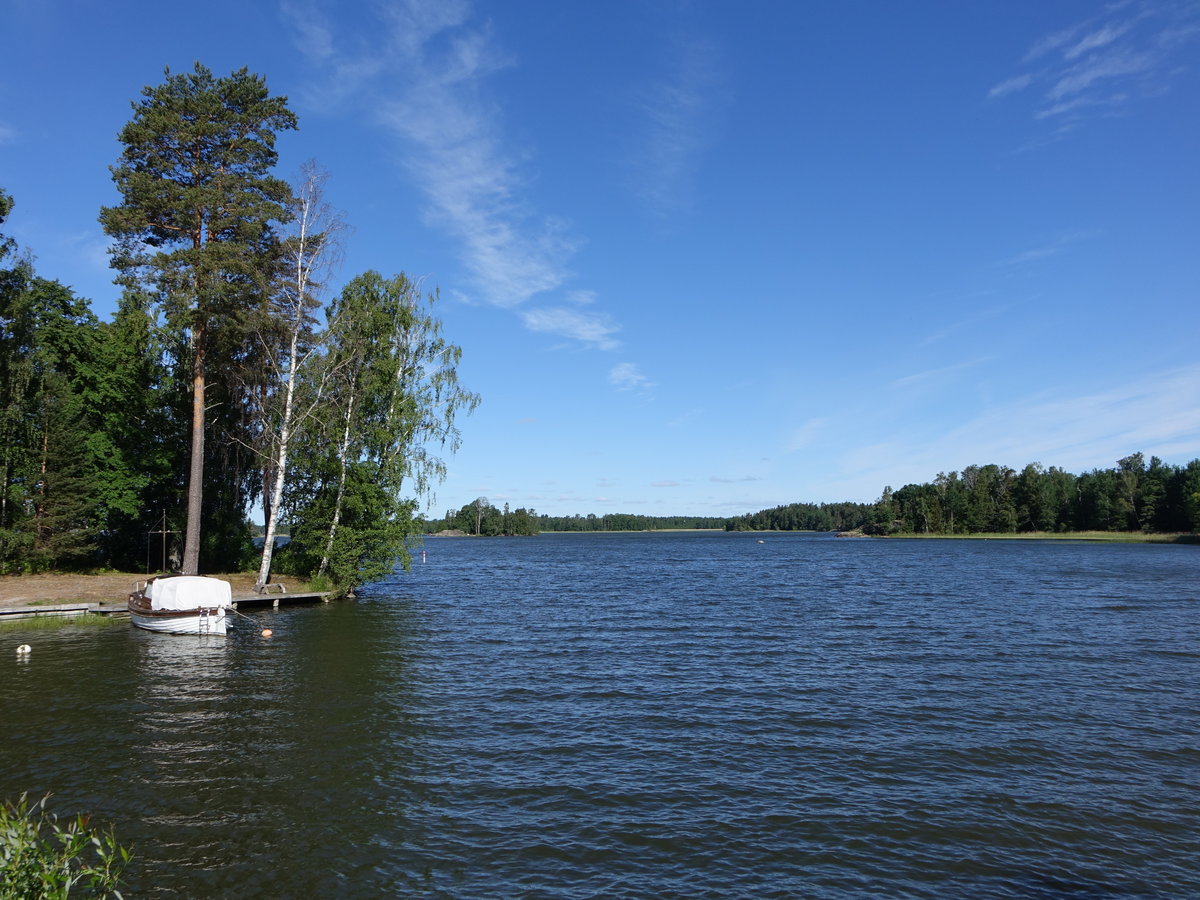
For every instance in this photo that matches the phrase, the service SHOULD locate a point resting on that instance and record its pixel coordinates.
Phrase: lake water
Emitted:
(651, 716)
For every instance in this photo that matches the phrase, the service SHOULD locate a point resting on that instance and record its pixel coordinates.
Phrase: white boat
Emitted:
(182, 604)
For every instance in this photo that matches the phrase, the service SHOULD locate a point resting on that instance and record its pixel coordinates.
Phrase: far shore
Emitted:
(113, 588)
(1108, 537)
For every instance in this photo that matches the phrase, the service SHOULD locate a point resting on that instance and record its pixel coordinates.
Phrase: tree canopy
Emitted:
(223, 384)
(197, 218)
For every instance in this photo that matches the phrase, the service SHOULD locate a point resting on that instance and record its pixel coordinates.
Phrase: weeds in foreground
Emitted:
(41, 858)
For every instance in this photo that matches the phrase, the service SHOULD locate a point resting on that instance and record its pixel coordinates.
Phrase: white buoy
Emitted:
(23, 649)
(266, 632)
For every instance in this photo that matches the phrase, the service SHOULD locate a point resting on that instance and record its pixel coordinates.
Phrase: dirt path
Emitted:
(40, 590)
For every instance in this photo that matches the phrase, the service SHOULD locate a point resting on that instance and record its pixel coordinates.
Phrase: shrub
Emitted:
(40, 858)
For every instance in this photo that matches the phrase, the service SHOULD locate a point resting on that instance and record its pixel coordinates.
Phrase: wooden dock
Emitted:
(274, 598)
(61, 610)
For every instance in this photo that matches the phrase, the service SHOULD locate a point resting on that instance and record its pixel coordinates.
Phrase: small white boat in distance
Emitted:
(182, 604)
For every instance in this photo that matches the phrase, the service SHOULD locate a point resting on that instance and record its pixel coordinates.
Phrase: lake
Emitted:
(673, 715)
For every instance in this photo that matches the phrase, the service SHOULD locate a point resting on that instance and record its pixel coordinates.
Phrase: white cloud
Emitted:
(1047, 250)
(1156, 414)
(940, 373)
(665, 484)
(626, 376)
(680, 108)
(7, 134)
(424, 74)
(596, 329)
(1094, 69)
(1104, 62)
(1011, 85)
(310, 30)
(1097, 39)
(805, 434)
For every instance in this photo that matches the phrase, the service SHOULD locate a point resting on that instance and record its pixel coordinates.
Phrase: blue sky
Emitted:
(706, 257)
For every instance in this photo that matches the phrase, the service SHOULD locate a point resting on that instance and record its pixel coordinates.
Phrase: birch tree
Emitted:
(393, 400)
(288, 343)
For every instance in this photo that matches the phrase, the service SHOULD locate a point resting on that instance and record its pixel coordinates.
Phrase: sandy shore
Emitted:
(40, 590)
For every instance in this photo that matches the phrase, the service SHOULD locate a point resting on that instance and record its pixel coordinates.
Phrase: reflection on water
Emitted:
(650, 715)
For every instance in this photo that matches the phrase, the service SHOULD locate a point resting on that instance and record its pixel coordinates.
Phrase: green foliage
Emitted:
(390, 398)
(991, 499)
(803, 517)
(42, 858)
(626, 522)
(47, 341)
(54, 623)
(196, 227)
(480, 517)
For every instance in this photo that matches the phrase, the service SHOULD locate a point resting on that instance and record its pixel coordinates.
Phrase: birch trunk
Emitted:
(280, 466)
(343, 455)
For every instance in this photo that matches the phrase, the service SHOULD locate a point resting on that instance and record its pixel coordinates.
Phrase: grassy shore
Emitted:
(51, 623)
(1108, 537)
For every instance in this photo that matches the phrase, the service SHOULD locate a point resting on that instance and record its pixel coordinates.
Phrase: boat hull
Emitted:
(190, 621)
(173, 604)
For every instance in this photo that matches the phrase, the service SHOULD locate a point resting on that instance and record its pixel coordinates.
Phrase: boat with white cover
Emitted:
(182, 604)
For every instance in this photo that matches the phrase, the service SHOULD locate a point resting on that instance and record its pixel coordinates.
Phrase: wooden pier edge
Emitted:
(70, 610)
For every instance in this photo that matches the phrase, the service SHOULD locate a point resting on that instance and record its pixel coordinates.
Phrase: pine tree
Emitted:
(196, 224)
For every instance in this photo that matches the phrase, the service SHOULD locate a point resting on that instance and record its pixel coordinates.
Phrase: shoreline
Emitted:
(108, 589)
(1103, 537)
(114, 588)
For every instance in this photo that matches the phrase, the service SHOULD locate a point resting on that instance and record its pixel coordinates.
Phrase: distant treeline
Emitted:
(482, 518)
(1133, 496)
(804, 517)
(628, 522)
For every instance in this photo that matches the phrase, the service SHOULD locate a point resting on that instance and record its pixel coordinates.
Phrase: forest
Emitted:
(1134, 496)
(992, 499)
(480, 517)
(231, 381)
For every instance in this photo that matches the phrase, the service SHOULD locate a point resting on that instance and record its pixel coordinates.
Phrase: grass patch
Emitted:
(51, 623)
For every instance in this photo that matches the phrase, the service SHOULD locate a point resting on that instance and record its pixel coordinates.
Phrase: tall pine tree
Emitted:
(197, 220)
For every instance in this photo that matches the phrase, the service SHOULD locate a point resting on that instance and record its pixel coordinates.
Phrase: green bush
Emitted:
(41, 859)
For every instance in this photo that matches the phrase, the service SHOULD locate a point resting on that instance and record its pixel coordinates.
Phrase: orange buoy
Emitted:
(266, 632)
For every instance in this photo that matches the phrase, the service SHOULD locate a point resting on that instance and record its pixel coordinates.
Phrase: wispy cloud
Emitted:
(940, 373)
(310, 29)
(804, 435)
(665, 484)
(627, 377)
(1105, 62)
(681, 108)
(596, 329)
(1011, 85)
(1156, 414)
(424, 72)
(742, 480)
(1044, 251)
